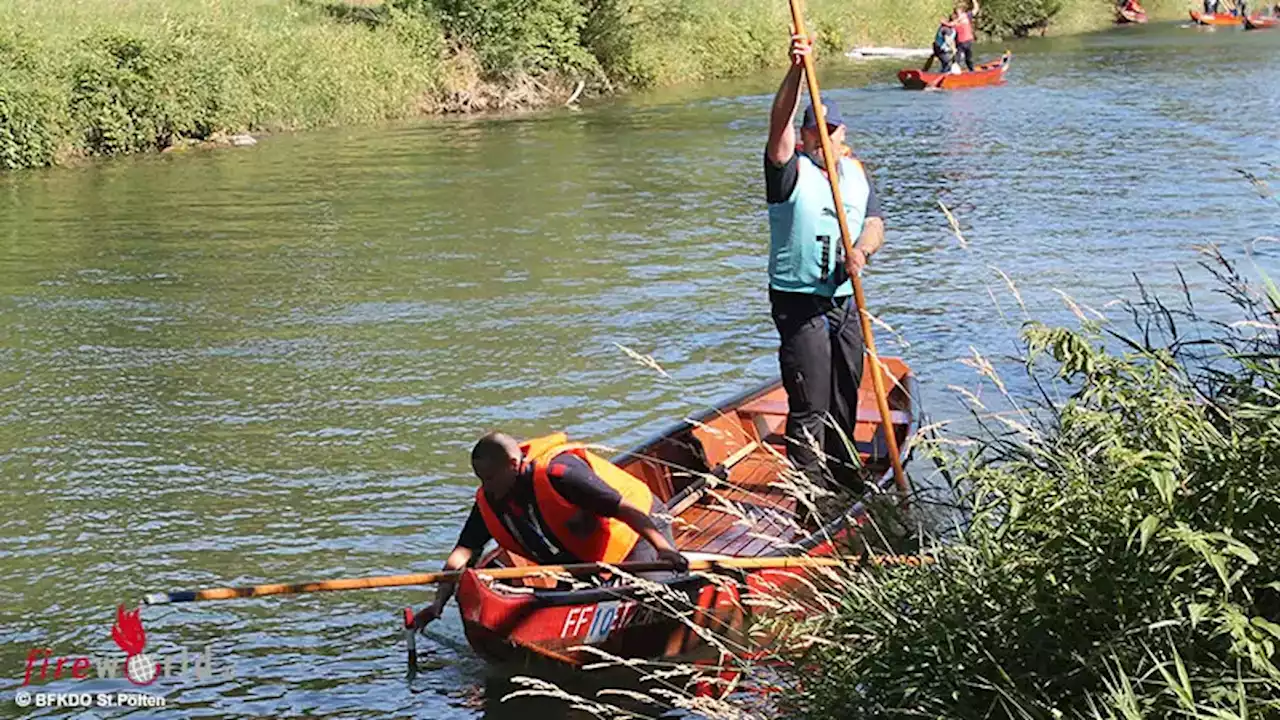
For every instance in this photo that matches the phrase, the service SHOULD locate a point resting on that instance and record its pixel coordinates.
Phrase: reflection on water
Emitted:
(268, 364)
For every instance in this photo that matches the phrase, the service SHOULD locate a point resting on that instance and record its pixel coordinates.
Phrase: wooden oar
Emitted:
(829, 159)
(385, 581)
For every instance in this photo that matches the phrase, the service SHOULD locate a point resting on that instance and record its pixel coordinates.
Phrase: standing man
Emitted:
(809, 287)
(944, 42)
(964, 34)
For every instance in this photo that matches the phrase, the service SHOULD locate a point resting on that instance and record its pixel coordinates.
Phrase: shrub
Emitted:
(518, 36)
(1123, 555)
(31, 115)
(1017, 18)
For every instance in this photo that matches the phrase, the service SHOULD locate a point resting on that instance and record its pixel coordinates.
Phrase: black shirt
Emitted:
(780, 182)
(571, 476)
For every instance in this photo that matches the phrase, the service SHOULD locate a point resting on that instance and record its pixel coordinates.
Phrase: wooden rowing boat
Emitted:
(741, 441)
(1259, 22)
(991, 73)
(1219, 19)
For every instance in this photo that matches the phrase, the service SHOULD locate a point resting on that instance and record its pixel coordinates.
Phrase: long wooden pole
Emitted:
(385, 581)
(830, 161)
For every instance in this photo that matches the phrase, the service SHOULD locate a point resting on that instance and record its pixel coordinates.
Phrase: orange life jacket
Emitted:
(608, 539)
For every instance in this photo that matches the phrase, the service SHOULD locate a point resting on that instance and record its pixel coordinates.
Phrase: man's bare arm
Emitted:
(782, 116)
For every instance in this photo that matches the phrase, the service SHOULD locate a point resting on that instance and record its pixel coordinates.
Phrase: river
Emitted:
(269, 363)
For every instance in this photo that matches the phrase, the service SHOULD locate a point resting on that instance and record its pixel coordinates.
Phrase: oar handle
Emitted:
(385, 581)
(846, 238)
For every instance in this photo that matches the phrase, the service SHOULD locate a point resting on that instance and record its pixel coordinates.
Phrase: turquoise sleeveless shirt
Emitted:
(805, 252)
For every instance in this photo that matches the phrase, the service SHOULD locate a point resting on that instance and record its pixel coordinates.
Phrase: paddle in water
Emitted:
(512, 573)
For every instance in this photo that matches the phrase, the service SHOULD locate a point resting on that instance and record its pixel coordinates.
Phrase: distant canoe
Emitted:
(1258, 22)
(1222, 19)
(880, 53)
(991, 73)
(1125, 17)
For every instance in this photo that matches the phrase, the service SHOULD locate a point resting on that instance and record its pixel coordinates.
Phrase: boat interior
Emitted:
(724, 475)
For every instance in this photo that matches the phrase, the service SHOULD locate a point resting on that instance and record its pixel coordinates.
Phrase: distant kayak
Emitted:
(878, 53)
(991, 73)
(1125, 17)
(1258, 22)
(1214, 19)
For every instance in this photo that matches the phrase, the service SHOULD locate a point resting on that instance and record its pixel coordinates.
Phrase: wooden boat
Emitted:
(1125, 17)
(740, 441)
(1258, 22)
(991, 73)
(1219, 19)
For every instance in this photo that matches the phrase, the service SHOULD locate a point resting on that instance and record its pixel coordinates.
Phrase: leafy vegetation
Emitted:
(1122, 558)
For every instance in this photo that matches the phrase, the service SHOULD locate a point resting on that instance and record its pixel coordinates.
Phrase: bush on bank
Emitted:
(1123, 555)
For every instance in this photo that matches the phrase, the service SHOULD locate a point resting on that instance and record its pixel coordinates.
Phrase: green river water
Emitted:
(269, 363)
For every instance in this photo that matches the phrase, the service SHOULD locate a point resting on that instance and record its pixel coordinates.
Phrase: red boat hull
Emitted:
(1126, 16)
(1261, 23)
(573, 626)
(991, 73)
(1218, 19)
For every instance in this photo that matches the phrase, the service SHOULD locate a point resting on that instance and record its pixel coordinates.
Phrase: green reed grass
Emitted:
(1122, 557)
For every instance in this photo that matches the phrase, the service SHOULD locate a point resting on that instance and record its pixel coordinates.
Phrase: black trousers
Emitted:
(964, 50)
(942, 54)
(821, 361)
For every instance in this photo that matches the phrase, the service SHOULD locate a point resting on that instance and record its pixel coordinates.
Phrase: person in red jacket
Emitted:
(964, 34)
(553, 502)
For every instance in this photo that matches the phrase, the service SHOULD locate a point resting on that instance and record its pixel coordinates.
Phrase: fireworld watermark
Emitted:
(137, 666)
(25, 698)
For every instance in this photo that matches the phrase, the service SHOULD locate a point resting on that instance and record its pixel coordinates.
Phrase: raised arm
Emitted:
(782, 127)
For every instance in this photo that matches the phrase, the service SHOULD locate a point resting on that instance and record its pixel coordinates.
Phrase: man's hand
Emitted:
(673, 556)
(801, 46)
(425, 617)
(855, 261)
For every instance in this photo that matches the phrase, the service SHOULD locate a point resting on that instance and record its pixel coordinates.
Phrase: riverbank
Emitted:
(108, 78)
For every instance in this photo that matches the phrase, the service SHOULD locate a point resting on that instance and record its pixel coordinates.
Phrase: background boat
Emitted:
(991, 73)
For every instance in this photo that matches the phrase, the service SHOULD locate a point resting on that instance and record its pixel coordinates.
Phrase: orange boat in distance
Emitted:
(991, 73)
(1214, 19)
(1130, 16)
(1257, 22)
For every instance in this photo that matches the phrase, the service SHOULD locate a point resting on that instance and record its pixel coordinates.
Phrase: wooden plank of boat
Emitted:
(1218, 19)
(991, 73)
(1259, 22)
(505, 620)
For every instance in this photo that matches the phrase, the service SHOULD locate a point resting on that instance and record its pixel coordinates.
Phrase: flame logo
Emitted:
(128, 632)
(132, 639)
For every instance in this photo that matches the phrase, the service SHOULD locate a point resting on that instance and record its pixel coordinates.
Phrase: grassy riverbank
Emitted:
(105, 77)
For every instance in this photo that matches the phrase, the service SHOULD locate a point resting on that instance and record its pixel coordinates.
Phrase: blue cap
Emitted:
(833, 115)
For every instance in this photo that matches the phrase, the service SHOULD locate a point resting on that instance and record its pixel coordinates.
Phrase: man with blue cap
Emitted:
(821, 353)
